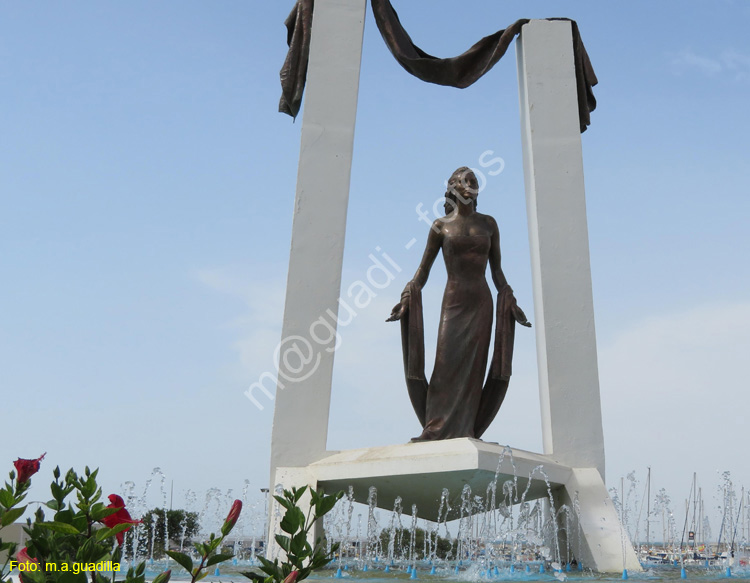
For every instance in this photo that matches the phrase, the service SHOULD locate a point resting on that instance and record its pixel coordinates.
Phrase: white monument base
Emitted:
(418, 472)
(572, 435)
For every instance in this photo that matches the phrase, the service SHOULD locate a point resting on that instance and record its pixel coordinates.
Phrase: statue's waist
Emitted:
(465, 282)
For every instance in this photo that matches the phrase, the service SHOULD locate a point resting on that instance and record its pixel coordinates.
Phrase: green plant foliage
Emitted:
(302, 558)
(12, 496)
(81, 540)
(63, 545)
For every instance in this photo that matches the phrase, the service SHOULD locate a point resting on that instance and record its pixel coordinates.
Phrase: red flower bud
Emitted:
(292, 577)
(27, 468)
(231, 519)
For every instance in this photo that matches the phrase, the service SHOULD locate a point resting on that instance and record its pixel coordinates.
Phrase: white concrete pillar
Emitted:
(558, 234)
(602, 544)
(303, 395)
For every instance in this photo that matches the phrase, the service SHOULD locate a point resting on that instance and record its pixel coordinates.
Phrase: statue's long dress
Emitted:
(464, 334)
(454, 402)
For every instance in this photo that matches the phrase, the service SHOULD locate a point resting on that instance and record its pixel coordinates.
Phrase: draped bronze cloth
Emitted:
(496, 385)
(460, 71)
(294, 72)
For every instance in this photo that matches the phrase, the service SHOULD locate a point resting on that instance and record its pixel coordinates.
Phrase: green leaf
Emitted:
(218, 559)
(325, 505)
(53, 505)
(33, 577)
(89, 487)
(268, 567)
(11, 515)
(254, 576)
(300, 546)
(66, 516)
(284, 541)
(57, 491)
(99, 511)
(293, 520)
(284, 502)
(71, 577)
(89, 552)
(182, 559)
(71, 477)
(98, 514)
(162, 577)
(298, 493)
(117, 555)
(104, 533)
(6, 498)
(60, 527)
(202, 575)
(265, 562)
(81, 523)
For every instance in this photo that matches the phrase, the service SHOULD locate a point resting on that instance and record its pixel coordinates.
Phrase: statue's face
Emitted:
(464, 187)
(463, 183)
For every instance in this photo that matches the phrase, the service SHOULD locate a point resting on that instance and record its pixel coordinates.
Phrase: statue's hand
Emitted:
(519, 316)
(398, 310)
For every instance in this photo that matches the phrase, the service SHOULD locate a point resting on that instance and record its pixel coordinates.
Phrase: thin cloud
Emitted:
(730, 63)
(673, 384)
(258, 323)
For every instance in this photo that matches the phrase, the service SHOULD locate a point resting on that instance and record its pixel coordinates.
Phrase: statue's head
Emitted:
(463, 188)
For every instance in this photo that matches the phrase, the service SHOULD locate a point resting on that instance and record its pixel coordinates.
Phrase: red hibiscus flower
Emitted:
(23, 556)
(27, 468)
(231, 519)
(122, 516)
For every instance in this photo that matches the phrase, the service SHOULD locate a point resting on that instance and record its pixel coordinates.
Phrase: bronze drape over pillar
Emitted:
(461, 71)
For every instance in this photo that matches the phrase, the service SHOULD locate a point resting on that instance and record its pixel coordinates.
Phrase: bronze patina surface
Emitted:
(460, 71)
(457, 402)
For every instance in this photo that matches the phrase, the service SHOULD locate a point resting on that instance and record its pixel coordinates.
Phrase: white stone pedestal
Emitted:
(418, 472)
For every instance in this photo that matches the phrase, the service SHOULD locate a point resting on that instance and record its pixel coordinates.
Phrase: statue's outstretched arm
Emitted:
(434, 242)
(498, 277)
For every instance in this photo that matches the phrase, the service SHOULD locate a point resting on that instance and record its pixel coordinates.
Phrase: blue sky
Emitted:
(146, 196)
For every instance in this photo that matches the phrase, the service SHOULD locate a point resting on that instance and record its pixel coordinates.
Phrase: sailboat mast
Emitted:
(648, 506)
(700, 518)
(695, 510)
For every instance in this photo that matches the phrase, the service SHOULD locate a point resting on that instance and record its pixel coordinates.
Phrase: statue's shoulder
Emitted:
(438, 225)
(487, 220)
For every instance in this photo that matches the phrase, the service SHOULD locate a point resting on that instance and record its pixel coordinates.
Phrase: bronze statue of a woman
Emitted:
(457, 402)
